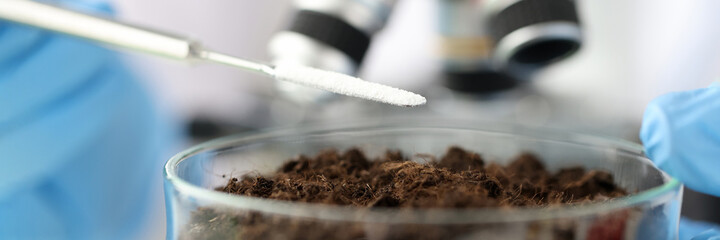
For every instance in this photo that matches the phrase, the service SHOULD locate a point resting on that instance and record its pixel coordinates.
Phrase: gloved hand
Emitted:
(80, 141)
(681, 134)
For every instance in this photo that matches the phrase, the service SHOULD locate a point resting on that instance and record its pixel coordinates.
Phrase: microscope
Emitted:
(484, 47)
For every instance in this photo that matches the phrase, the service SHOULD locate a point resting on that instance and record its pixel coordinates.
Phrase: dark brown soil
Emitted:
(459, 179)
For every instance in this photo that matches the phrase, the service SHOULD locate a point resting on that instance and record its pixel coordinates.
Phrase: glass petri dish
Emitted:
(196, 211)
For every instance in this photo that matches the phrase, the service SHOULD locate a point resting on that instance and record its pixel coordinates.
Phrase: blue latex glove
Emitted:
(681, 134)
(80, 142)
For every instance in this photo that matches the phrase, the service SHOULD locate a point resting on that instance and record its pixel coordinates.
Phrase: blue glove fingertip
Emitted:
(681, 135)
(655, 133)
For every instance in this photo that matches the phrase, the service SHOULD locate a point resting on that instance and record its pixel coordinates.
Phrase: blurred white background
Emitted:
(633, 51)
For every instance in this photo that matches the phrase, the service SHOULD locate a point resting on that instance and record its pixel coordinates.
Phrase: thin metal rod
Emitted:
(237, 62)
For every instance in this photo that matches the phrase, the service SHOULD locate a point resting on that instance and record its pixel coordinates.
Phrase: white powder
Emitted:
(347, 85)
